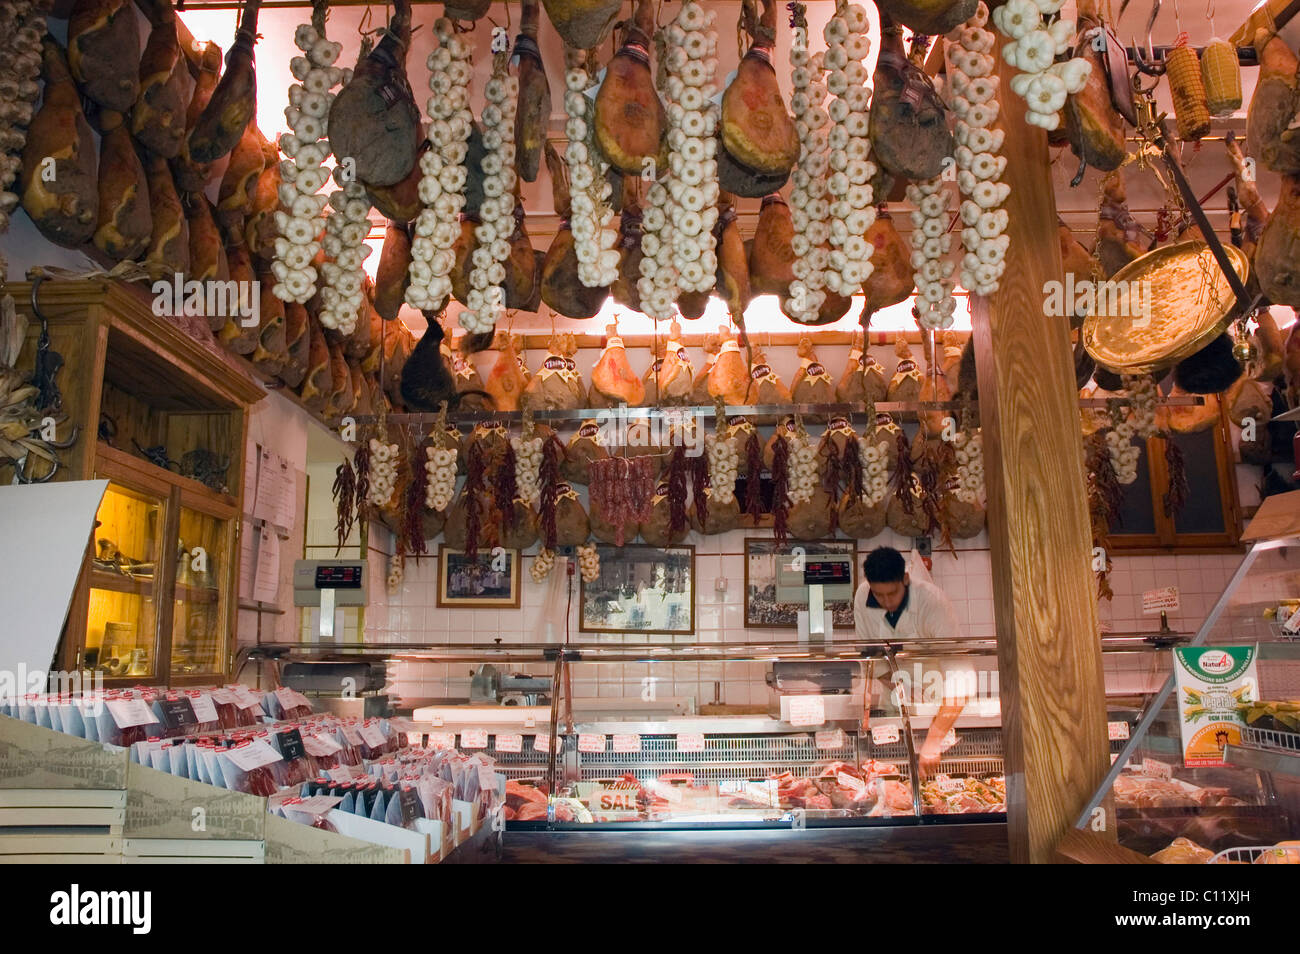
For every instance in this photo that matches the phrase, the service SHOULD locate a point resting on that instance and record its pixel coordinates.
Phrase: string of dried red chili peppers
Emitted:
(699, 484)
(753, 477)
(345, 502)
(780, 489)
(549, 477)
(677, 491)
(472, 495)
(413, 512)
(506, 488)
(1175, 497)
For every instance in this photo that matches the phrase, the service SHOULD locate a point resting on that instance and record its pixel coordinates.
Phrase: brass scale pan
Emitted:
(1190, 304)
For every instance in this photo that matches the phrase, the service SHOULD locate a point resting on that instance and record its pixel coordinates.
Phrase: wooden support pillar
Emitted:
(1045, 604)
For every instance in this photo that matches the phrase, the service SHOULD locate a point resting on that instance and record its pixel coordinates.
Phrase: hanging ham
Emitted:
(905, 385)
(1277, 257)
(757, 129)
(629, 119)
(771, 259)
(505, 382)
(929, 17)
(58, 179)
(613, 381)
(158, 117)
(239, 184)
(1271, 133)
(207, 251)
(561, 289)
(103, 50)
(909, 128)
(891, 278)
(169, 244)
(812, 383)
(551, 387)
(700, 385)
(674, 377)
(233, 104)
(191, 175)
(729, 377)
(374, 120)
(863, 380)
(1093, 126)
(765, 386)
(534, 109)
(124, 220)
(393, 272)
(582, 24)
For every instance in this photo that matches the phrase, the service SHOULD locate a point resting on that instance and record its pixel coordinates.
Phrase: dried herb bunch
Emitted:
(780, 490)
(754, 477)
(345, 502)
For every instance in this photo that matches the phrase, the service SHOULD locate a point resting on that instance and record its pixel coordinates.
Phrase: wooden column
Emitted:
(1045, 605)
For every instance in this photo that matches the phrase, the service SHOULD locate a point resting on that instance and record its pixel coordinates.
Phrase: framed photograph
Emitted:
(482, 583)
(641, 589)
(772, 585)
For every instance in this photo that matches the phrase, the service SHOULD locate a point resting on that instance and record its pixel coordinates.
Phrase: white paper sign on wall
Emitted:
(1163, 600)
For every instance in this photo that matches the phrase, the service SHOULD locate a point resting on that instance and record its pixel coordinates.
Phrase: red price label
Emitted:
(1117, 731)
(442, 740)
(510, 743)
(1157, 769)
(473, 739)
(591, 743)
(884, 734)
(690, 742)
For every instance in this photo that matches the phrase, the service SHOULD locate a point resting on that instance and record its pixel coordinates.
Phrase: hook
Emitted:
(1148, 64)
(20, 471)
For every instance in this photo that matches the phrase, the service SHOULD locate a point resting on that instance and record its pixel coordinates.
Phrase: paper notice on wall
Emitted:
(247, 559)
(266, 574)
(1215, 686)
(1163, 600)
(274, 503)
(288, 503)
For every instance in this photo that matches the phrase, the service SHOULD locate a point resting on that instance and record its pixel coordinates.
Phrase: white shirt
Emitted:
(927, 614)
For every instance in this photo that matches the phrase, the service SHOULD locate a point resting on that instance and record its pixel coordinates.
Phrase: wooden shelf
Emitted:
(120, 460)
(117, 583)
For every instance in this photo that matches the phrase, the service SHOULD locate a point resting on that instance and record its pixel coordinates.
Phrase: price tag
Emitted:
(487, 778)
(442, 740)
(510, 743)
(204, 708)
(246, 698)
(591, 743)
(253, 754)
(1117, 731)
(884, 734)
(224, 696)
(340, 773)
(690, 742)
(852, 783)
(473, 739)
(530, 723)
(945, 784)
(320, 746)
(372, 735)
(286, 698)
(1154, 768)
(830, 739)
(316, 804)
(409, 802)
(130, 712)
(1163, 600)
(807, 710)
(627, 743)
(351, 734)
(541, 743)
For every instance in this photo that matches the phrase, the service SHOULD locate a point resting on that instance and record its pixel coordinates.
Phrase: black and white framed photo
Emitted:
(486, 582)
(641, 589)
(773, 587)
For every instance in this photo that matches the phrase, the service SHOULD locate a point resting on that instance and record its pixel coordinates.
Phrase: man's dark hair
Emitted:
(884, 565)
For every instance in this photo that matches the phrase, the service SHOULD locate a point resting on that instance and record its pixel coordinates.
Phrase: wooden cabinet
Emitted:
(155, 602)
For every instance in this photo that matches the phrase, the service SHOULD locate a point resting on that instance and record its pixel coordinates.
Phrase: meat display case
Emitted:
(705, 784)
(1241, 810)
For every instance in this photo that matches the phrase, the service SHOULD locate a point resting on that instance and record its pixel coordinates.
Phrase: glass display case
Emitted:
(199, 617)
(1212, 770)
(122, 619)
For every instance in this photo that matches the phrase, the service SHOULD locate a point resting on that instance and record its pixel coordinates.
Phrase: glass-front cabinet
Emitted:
(200, 614)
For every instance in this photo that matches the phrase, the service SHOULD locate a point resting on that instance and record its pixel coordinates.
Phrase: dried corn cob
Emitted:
(1221, 76)
(1190, 109)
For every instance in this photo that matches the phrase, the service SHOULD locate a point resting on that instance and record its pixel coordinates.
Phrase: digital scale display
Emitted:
(827, 572)
(338, 577)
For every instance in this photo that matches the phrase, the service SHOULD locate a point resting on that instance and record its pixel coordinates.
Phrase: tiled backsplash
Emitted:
(412, 616)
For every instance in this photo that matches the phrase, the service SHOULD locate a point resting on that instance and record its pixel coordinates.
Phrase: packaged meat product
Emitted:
(1183, 851)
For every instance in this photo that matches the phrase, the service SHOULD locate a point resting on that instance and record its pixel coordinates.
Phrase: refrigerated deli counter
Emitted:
(829, 771)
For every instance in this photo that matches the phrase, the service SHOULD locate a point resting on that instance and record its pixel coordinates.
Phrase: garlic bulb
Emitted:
(973, 98)
(441, 485)
(1041, 82)
(486, 299)
(803, 469)
(724, 465)
(588, 564)
(875, 472)
(383, 472)
(931, 241)
(970, 465)
(528, 468)
(345, 240)
(809, 207)
(691, 162)
(396, 573)
(1140, 422)
(594, 239)
(543, 563)
(848, 188)
(302, 174)
(442, 165)
(1144, 395)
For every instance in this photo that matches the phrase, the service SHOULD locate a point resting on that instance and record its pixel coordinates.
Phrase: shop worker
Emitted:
(889, 605)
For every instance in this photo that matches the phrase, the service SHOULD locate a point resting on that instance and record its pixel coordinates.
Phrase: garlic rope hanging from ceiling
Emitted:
(22, 25)
(969, 448)
(442, 185)
(973, 97)
(441, 468)
(693, 187)
(660, 283)
(849, 189)
(1041, 82)
(486, 299)
(931, 241)
(809, 207)
(595, 241)
(303, 174)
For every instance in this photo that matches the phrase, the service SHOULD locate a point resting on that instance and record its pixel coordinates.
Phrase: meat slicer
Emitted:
(488, 686)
